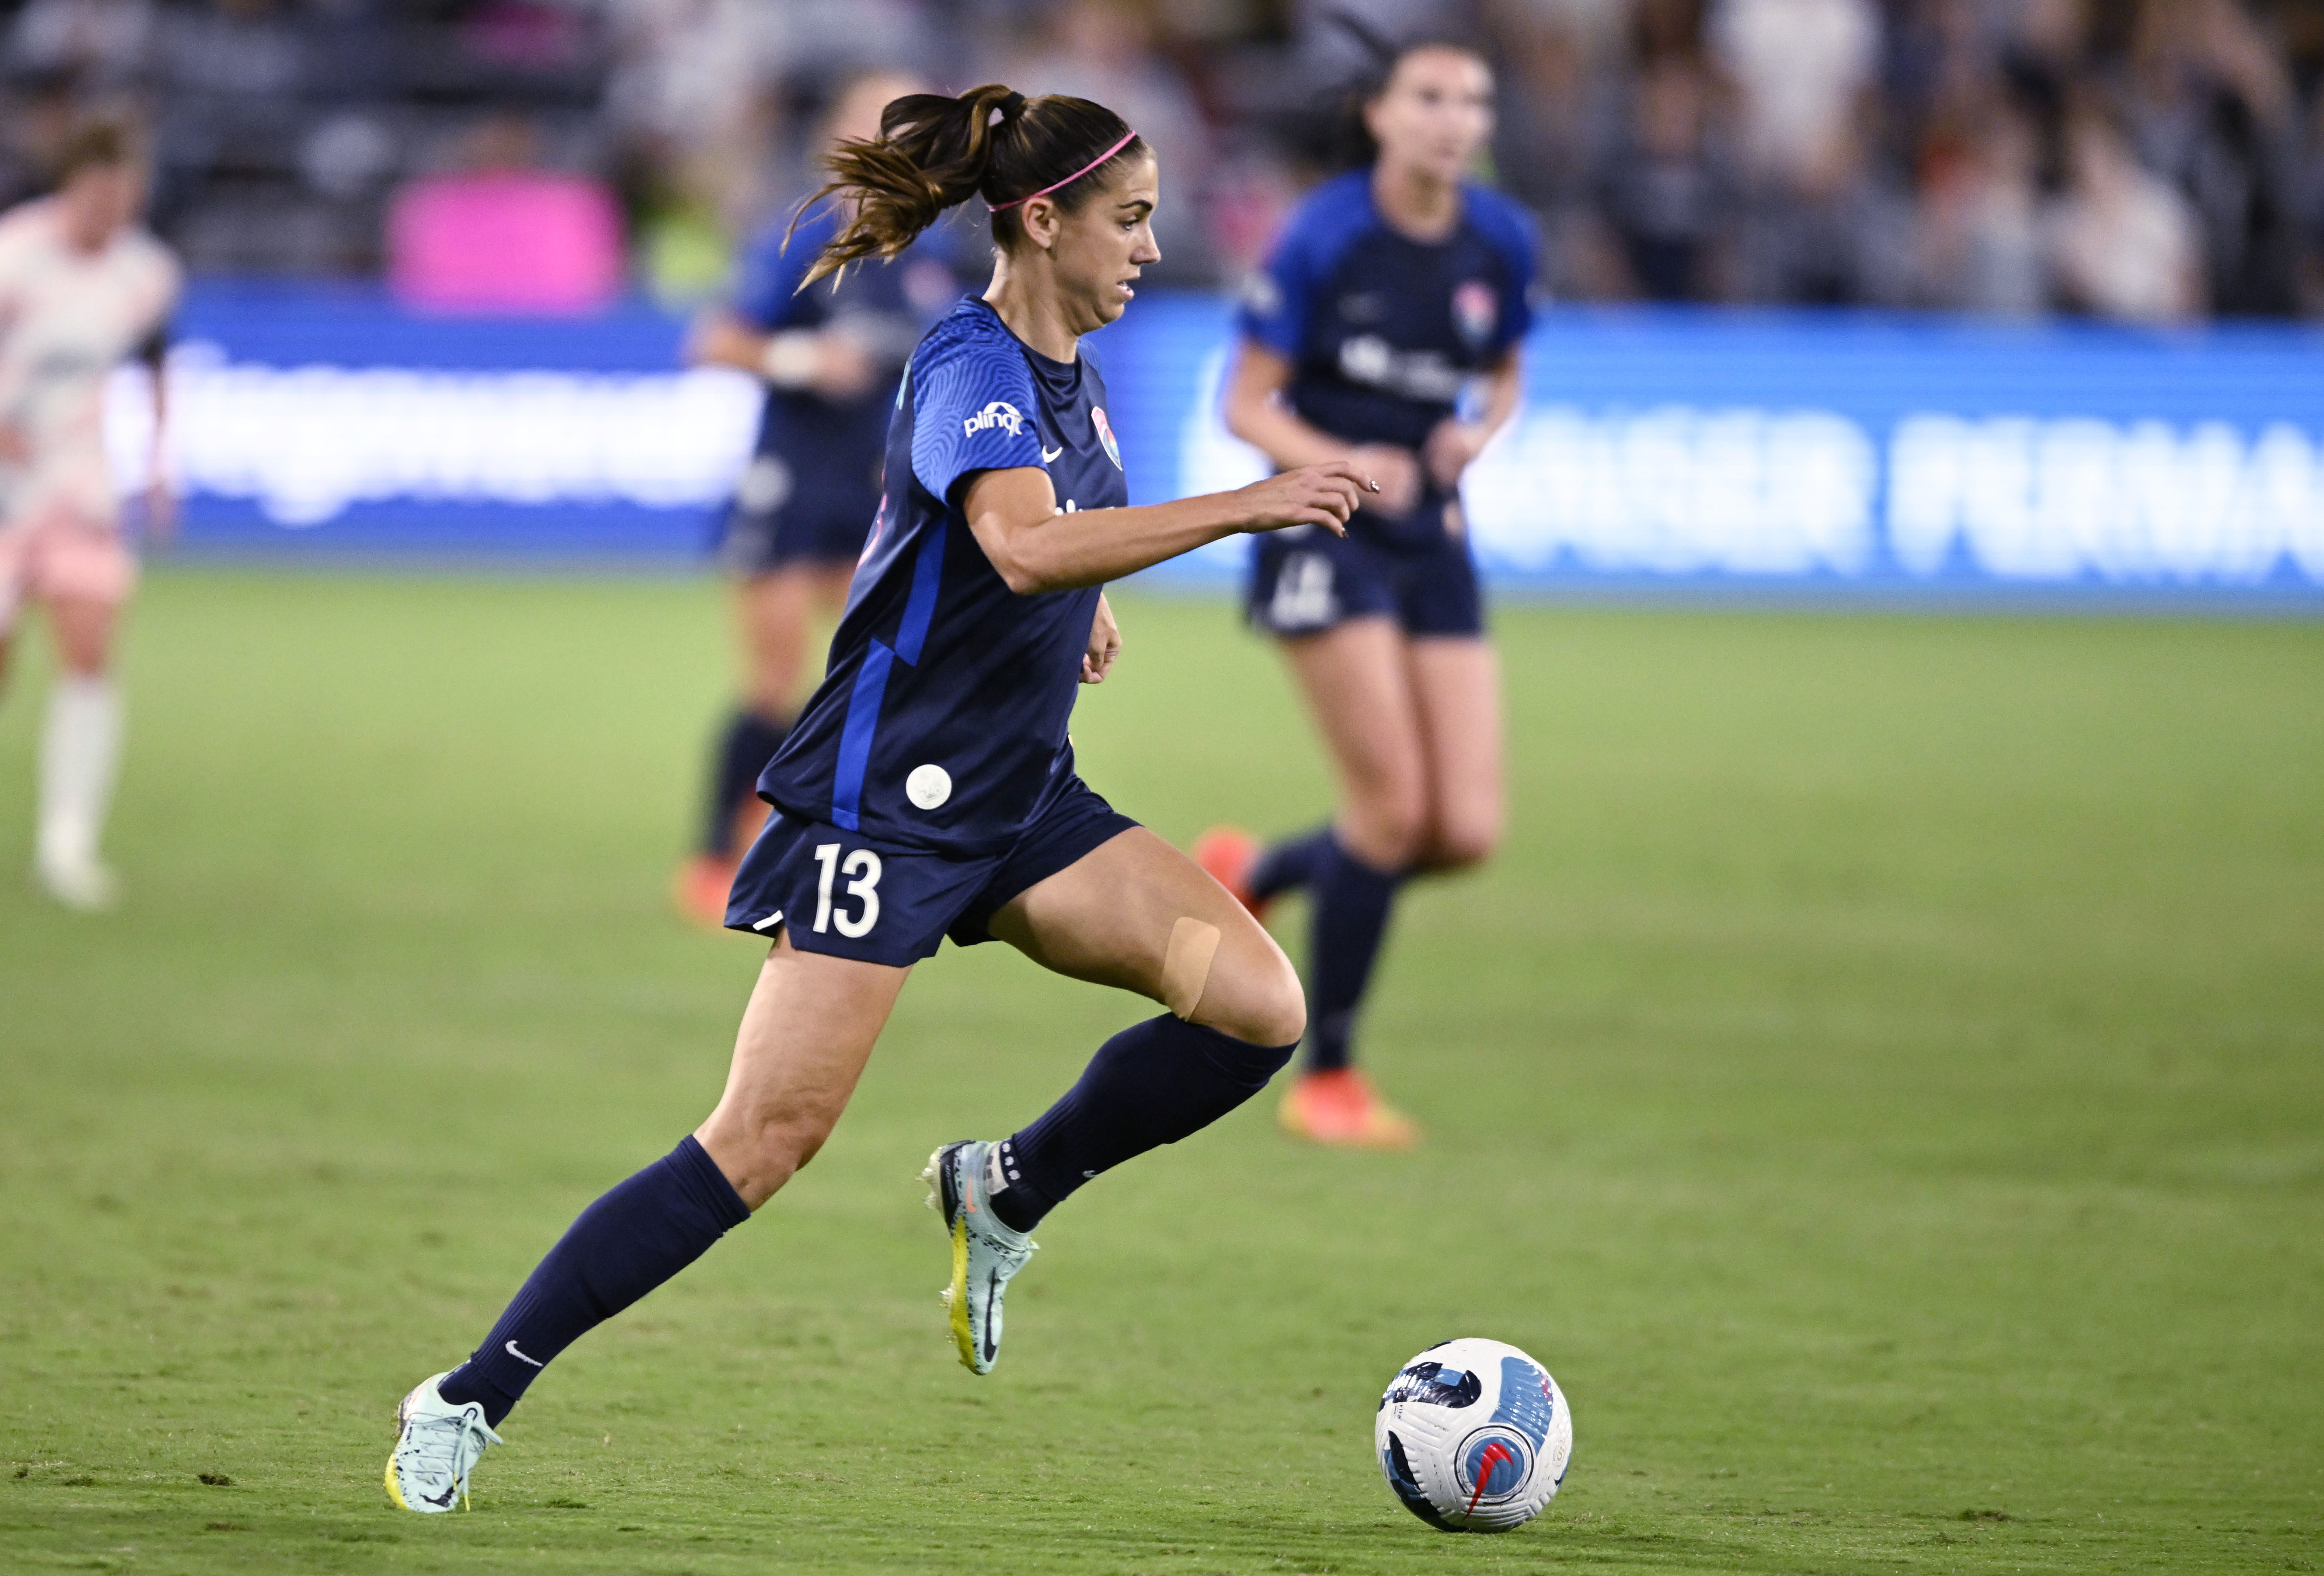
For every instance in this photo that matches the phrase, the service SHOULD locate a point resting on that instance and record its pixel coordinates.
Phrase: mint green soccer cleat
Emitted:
(436, 1446)
(985, 1254)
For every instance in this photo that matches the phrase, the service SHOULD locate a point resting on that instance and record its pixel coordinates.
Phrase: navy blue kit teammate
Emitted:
(928, 788)
(830, 357)
(1384, 332)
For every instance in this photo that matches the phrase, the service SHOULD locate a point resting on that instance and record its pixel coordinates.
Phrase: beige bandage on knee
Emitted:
(1186, 964)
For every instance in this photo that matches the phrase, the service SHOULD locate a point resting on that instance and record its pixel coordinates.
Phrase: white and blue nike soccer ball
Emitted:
(1474, 1435)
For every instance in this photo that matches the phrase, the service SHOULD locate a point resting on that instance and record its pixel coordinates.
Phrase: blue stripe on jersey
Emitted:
(862, 724)
(855, 737)
(920, 607)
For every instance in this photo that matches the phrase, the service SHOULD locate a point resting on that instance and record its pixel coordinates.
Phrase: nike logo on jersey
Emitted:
(512, 1351)
(1049, 455)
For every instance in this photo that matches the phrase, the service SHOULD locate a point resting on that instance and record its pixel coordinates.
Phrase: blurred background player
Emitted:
(830, 355)
(82, 288)
(1396, 297)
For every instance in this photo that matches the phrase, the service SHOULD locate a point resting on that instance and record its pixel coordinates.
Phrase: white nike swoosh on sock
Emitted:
(512, 1351)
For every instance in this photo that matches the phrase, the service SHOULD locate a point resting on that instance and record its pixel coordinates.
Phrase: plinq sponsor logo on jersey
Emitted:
(999, 413)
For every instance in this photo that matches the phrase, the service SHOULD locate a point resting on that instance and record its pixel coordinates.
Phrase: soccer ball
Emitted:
(1473, 1436)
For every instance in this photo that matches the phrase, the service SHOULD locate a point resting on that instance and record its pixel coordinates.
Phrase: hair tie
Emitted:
(994, 208)
(1011, 106)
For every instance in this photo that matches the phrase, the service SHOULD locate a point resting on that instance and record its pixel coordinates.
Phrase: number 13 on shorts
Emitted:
(862, 869)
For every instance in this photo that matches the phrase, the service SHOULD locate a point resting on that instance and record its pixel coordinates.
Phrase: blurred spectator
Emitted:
(1802, 69)
(1981, 247)
(1812, 227)
(505, 235)
(1559, 82)
(2211, 108)
(2123, 241)
(2312, 211)
(95, 42)
(1665, 189)
(1955, 154)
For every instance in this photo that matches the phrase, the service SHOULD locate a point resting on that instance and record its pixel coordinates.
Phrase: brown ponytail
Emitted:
(934, 152)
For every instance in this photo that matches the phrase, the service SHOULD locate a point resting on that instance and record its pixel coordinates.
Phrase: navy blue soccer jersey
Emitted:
(1383, 332)
(940, 723)
(886, 306)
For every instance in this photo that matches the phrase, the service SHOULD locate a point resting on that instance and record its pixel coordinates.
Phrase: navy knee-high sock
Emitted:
(630, 1241)
(1352, 903)
(1151, 1084)
(1292, 863)
(748, 742)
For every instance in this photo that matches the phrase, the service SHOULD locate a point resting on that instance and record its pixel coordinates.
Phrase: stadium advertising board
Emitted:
(1786, 450)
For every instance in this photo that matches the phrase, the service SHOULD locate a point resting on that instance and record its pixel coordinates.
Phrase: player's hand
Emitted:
(846, 370)
(1104, 644)
(1451, 448)
(1398, 472)
(1324, 496)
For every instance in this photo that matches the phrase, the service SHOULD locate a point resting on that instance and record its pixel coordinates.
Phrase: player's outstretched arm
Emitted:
(1015, 516)
(828, 361)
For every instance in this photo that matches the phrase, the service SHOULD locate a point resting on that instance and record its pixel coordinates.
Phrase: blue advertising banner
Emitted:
(1797, 451)
(307, 420)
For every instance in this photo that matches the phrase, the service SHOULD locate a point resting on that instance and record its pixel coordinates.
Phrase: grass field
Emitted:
(1883, 1078)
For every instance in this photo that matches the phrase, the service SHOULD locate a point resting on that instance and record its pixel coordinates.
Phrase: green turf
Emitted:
(1883, 1077)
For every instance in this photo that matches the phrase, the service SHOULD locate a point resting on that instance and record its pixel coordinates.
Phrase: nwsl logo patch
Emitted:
(1105, 435)
(1475, 311)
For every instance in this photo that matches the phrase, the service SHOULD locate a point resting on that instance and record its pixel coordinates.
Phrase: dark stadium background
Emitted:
(2086, 240)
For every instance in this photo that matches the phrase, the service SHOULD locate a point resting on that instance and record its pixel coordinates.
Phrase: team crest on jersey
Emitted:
(1475, 310)
(1105, 435)
(999, 413)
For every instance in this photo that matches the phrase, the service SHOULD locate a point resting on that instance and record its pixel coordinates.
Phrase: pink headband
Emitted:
(1127, 138)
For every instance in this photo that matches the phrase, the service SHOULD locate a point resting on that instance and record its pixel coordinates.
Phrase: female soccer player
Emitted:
(83, 287)
(830, 357)
(1396, 295)
(928, 788)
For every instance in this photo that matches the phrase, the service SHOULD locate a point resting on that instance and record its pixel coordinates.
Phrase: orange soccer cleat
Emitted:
(1227, 854)
(1341, 1107)
(700, 888)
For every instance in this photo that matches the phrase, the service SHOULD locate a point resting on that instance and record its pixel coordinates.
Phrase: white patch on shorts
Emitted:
(1303, 595)
(763, 486)
(928, 786)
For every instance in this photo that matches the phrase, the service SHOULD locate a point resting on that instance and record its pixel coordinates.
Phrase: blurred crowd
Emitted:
(2154, 160)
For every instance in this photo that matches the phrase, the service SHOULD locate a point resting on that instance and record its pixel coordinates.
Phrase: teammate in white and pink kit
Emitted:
(83, 288)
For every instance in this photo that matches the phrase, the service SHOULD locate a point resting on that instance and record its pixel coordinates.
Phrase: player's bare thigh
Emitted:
(1357, 683)
(1456, 687)
(1109, 917)
(806, 1036)
(80, 574)
(776, 616)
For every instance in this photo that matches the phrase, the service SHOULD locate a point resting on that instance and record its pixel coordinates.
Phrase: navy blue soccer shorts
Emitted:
(1306, 581)
(854, 897)
(778, 518)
